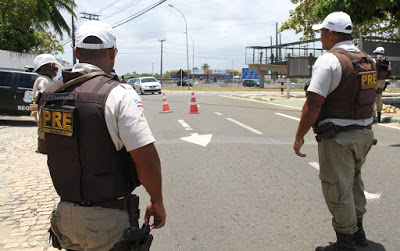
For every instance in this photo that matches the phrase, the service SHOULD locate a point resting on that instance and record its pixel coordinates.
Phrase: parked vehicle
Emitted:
(147, 85)
(184, 83)
(16, 89)
(250, 83)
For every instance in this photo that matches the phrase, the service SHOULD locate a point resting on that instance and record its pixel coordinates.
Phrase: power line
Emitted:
(200, 28)
(109, 5)
(138, 14)
(124, 8)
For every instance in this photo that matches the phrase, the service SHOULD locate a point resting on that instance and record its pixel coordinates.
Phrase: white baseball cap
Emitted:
(43, 59)
(98, 29)
(379, 50)
(336, 21)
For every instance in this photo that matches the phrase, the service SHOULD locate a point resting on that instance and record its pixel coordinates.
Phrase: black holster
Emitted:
(131, 205)
(327, 130)
(135, 239)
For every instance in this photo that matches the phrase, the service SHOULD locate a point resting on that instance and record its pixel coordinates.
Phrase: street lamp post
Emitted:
(187, 47)
(193, 58)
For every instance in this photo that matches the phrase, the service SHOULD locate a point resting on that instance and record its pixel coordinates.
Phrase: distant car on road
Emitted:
(250, 83)
(132, 81)
(184, 83)
(147, 85)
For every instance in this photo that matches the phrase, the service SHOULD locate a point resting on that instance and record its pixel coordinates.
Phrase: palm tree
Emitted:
(205, 66)
(57, 21)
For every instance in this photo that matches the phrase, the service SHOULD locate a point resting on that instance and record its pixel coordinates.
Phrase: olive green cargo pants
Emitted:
(341, 159)
(88, 228)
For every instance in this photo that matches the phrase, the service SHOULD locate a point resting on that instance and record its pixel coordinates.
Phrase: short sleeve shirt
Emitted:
(41, 84)
(124, 116)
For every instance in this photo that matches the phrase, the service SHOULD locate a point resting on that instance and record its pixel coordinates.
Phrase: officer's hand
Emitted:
(298, 143)
(157, 210)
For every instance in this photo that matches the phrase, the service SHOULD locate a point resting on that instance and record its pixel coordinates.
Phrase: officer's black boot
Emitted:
(379, 117)
(345, 242)
(359, 237)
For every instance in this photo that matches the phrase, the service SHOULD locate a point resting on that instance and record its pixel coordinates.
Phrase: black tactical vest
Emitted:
(355, 95)
(83, 162)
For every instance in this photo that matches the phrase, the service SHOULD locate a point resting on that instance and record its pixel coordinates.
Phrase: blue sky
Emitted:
(219, 30)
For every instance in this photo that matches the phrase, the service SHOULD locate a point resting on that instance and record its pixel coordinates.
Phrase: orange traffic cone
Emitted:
(165, 105)
(193, 105)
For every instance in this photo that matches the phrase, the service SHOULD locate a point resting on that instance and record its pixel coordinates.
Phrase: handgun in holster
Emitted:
(139, 239)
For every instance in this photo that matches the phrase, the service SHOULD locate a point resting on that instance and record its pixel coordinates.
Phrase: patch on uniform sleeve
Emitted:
(139, 103)
(315, 68)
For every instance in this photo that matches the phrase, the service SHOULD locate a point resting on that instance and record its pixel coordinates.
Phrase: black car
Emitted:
(250, 82)
(16, 91)
(184, 83)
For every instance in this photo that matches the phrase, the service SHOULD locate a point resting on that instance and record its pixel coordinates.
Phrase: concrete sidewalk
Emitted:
(27, 196)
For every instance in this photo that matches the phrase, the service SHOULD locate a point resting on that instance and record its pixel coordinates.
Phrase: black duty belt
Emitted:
(353, 127)
(116, 204)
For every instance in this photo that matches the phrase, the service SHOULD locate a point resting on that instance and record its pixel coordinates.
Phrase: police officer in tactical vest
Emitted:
(100, 148)
(339, 107)
(384, 70)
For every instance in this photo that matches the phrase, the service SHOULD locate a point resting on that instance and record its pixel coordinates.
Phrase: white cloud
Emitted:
(220, 29)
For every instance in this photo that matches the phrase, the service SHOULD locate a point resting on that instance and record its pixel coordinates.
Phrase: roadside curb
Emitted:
(390, 120)
(298, 101)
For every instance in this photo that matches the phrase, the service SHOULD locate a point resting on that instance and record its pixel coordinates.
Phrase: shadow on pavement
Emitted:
(17, 122)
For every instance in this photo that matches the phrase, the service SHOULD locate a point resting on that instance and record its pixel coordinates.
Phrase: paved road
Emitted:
(244, 190)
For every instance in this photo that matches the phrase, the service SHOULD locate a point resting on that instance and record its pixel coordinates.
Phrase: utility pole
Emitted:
(276, 42)
(270, 38)
(162, 40)
(90, 16)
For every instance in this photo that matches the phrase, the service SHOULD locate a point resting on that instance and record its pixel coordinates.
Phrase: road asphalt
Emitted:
(27, 196)
(297, 99)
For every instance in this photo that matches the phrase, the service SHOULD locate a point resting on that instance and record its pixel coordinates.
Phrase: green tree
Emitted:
(56, 20)
(23, 23)
(379, 17)
(205, 66)
(47, 43)
(167, 74)
(16, 33)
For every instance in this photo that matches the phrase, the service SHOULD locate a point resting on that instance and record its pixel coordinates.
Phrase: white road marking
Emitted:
(372, 196)
(197, 139)
(315, 165)
(265, 102)
(185, 125)
(368, 196)
(218, 113)
(245, 126)
(287, 116)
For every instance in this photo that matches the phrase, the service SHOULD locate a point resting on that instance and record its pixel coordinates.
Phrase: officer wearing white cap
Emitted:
(46, 66)
(339, 107)
(100, 148)
(384, 70)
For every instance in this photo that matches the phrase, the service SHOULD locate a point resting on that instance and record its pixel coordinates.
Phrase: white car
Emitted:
(147, 85)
